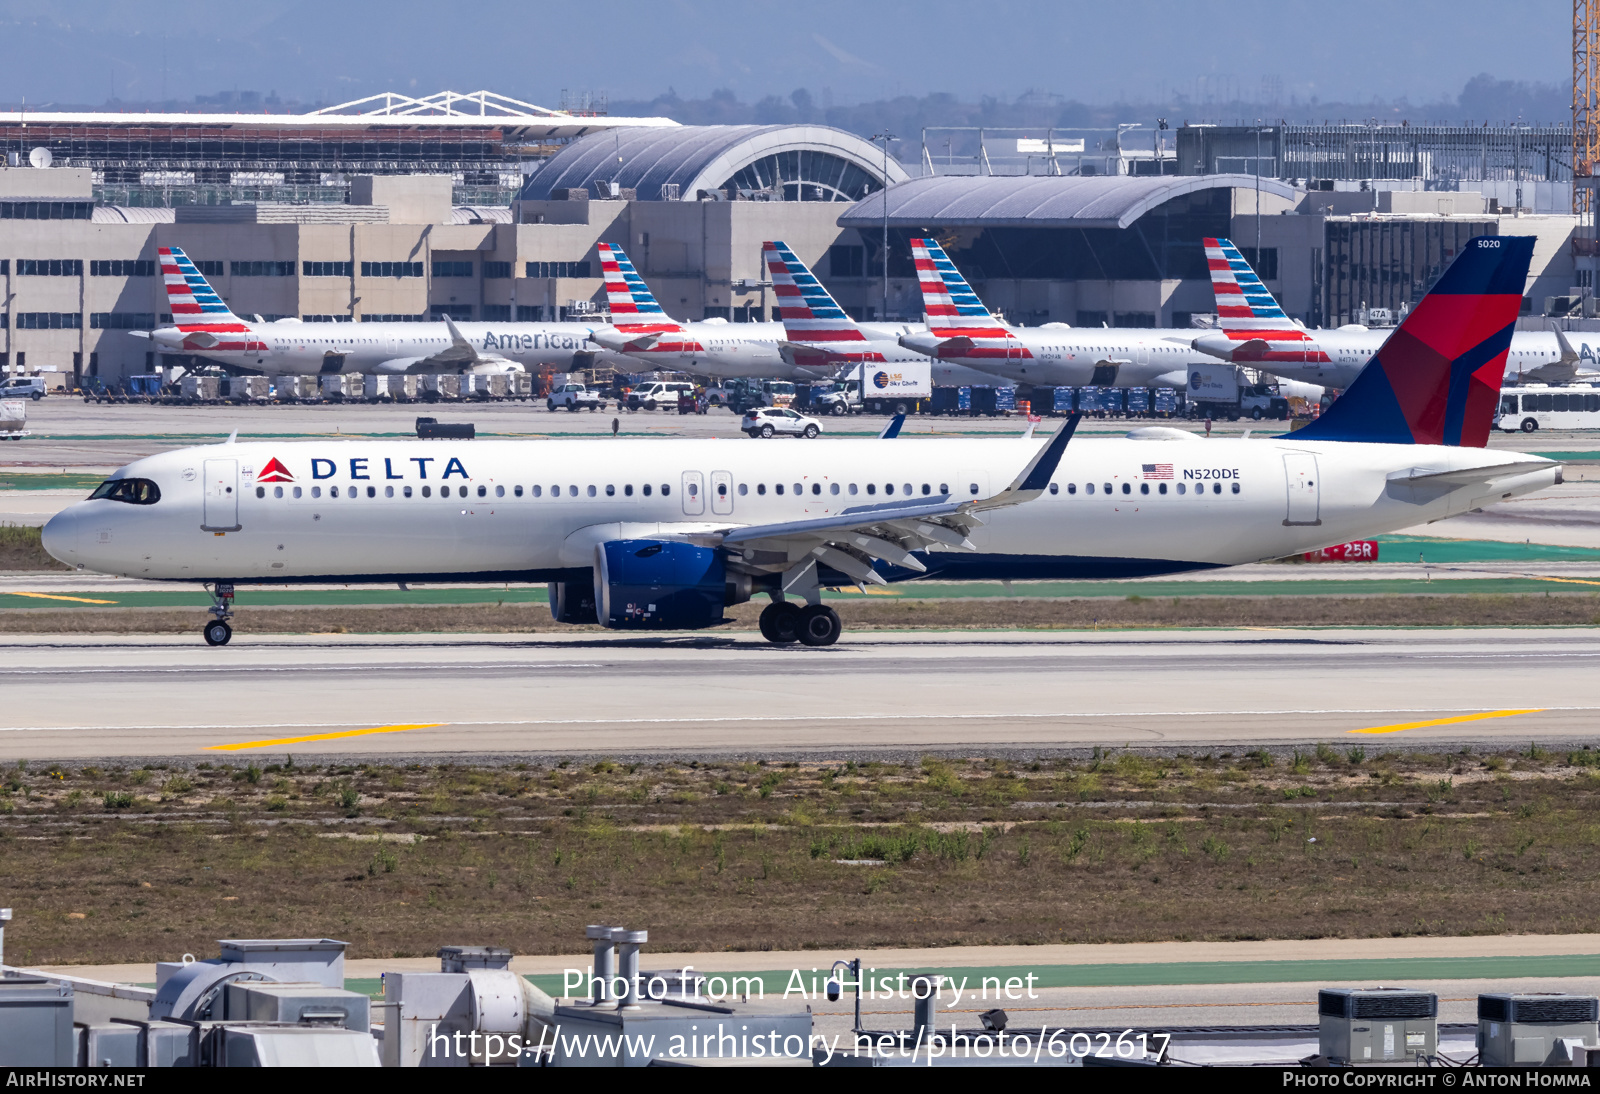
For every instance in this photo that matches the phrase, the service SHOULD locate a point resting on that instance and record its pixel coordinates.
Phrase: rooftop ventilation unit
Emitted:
(1526, 1029)
(1377, 1025)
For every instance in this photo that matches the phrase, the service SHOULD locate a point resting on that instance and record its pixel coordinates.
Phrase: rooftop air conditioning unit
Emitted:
(1377, 1025)
(1525, 1029)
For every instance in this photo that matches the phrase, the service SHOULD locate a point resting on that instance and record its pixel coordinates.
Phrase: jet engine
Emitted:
(642, 584)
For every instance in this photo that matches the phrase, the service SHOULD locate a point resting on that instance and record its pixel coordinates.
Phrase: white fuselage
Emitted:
(1348, 351)
(535, 510)
(1062, 356)
(728, 351)
(295, 348)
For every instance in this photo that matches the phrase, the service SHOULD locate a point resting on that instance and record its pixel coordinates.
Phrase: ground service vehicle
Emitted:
(769, 421)
(574, 397)
(1542, 406)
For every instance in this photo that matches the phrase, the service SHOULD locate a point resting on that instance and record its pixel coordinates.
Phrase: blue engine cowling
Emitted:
(645, 584)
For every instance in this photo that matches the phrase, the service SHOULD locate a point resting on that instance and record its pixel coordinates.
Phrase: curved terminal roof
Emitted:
(1035, 201)
(708, 157)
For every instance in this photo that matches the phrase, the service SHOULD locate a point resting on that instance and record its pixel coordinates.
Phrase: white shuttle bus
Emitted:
(1542, 406)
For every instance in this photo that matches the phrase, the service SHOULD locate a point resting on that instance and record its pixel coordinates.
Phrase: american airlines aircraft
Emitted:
(663, 534)
(962, 330)
(1252, 330)
(204, 325)
(822, 337)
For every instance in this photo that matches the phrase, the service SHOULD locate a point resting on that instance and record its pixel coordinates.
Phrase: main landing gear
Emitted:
(219, 630)
(812, 625)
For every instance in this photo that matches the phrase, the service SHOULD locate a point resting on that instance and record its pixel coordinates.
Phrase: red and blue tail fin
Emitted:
(189, 294)
(1437, 378)
(809, 313)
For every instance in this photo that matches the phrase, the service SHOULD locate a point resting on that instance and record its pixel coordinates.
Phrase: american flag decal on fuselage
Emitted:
(1157, 470)
(197, 309)
(1249, 315)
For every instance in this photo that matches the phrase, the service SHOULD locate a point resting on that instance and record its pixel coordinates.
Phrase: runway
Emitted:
(878, 694)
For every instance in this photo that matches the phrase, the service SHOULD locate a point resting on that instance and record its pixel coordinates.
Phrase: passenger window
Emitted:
(372, 492)
(611, 491)
(761, 488)
(833, 488)
(907, 488)
(666, 491)
(816, 488)
(297, 491)
(627, 491)
(592, 491)
(973, 489)
(1216, 488)
(427, 491)
(1235, 488)
(647, 490)
(1162, 488)
(572, 491)
(1182, 489)
(744, 488)
(261, 491)
(1107, 487)
(333, 491)
(1054, 489)
(852, 488)
(388, 491)
(1144, 488)
(778, 489)
(406, 490)
(722, 489)
(1088, 488)
(1127, 488)
(483, 491)
(872, 488)
(944, 488)
(694, 490)
(277, 491)
(888, 488)
(515, 490)
(499, 491)
(926, 489)
(798, 489)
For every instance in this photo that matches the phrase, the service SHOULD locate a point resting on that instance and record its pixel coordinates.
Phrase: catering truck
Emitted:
(902, 387)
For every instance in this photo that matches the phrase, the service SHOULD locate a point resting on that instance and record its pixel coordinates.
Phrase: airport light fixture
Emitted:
(885, 136)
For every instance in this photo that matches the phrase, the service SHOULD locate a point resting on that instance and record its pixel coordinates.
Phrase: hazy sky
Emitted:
(86, 51)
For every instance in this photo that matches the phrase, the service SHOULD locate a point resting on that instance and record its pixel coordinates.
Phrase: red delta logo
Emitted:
(274, 472)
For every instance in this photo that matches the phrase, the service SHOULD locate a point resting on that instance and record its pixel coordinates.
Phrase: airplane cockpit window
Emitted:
(132, 491)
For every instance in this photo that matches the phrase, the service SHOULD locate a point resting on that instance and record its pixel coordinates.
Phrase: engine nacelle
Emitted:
(572, 602)
(645, 584)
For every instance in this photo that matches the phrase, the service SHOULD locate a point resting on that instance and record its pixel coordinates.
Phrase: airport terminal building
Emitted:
(394, 231)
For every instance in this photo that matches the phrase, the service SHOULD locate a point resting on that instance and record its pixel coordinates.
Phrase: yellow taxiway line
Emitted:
(51, 596)
(319, 737)
(1446, 721)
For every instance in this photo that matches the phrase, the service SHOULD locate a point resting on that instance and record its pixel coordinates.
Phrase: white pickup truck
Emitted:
(574, 397)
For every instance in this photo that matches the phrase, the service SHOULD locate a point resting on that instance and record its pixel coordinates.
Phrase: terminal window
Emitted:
(394, 318)
(1092, 318)
(50, 267)
(122, 267)
(443, 268)
(454, 311)
(1266, 267)
(497, 313)
(262, 269)
(391, 269)
(326, 269)
(846, 261)
(209, 268)
(324, 319)
(496, 270)
(122, 320)
(557, 269)
(49, 320)
(46, 210)
(530, 313)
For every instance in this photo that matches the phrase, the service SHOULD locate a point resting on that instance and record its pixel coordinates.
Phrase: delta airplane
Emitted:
(1253, 330)
(204, 325)
(663, 534)
(643, 330)
(962, 330)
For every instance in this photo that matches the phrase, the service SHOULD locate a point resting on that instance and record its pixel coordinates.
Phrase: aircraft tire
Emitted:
(819, 625)
(218, 632)
(778, 623)
(1530, 425)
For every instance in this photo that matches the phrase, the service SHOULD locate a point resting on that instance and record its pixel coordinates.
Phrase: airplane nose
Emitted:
(60, 537)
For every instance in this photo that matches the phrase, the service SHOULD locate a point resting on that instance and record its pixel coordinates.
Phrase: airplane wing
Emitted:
(613, 339)
(851, 541)
(892, 430)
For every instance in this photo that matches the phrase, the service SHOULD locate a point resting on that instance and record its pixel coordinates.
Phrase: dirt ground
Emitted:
(118, 864)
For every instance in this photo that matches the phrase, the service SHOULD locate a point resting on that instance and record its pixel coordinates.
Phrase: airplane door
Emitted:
(222, 496)
(694, 496)
(1305, 492)
(721, 493)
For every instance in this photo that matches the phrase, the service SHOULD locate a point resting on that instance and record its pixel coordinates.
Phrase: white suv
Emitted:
(767, 421)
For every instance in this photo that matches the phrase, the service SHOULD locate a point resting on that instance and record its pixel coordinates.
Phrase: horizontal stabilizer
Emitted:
(1466, 476)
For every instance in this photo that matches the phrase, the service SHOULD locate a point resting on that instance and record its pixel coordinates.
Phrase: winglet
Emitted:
(1569, 356)
(892, 430)
(1035, 478)
(455, 334)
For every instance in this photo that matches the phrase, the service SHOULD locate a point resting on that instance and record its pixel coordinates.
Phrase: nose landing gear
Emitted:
(219, 630)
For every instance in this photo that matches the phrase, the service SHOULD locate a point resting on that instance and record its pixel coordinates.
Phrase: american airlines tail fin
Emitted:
(1437, 378)
(810, 315)
(1243, 302)
(951, 305)
(630, 298)
(189, 294)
